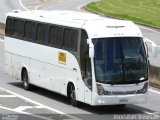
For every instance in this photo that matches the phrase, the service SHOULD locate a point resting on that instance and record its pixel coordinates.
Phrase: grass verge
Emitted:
(140, 11)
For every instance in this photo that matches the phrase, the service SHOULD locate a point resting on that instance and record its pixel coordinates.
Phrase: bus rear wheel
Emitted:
(26, 84)
(72, 95)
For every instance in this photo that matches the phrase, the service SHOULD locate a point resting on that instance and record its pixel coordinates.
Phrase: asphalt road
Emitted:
(7, 6)
(47, 104)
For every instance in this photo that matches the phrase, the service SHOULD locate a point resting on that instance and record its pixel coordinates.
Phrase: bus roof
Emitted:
(96, 26)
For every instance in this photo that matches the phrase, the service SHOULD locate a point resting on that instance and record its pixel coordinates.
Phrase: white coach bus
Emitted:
(83, 56)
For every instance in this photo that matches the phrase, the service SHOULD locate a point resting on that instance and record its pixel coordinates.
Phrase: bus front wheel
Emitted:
(72, 95)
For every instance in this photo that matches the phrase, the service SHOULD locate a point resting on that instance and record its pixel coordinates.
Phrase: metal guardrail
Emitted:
(154, 64)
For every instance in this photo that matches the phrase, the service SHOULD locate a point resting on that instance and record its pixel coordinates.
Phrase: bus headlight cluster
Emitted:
(144, 89)
(101, 90)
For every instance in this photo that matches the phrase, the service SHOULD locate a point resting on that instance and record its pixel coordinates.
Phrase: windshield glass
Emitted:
(120, 60)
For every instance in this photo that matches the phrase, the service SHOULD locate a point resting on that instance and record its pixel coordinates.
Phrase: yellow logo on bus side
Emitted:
(62, 58)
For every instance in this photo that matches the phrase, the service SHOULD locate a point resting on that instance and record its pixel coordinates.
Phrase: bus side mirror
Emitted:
(91, 48)
(154, 46)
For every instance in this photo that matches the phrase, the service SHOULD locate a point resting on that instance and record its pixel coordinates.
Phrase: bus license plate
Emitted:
(123, 101)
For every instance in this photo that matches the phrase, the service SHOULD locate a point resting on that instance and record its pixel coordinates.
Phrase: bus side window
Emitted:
(18, 28)
(85, 60)
(56, 36)
(83, 51)
(30, 31)
(42, 33)
(70, 39)
(9, 26)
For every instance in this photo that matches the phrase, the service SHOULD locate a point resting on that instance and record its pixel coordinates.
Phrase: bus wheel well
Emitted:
(23, 70)
(71, 94)
(68, 88)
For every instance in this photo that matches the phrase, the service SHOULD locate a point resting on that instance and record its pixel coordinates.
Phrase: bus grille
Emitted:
(124, 92)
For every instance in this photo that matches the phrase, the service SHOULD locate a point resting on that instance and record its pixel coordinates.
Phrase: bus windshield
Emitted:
(120, 60)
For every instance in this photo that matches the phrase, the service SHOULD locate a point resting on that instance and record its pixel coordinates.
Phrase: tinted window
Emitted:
(56, 36)
(30, 31)
(85, 60)
(70, 39)
(84, 50)
(42, 33)
(120, 60)
(9, 25)
(18, 28)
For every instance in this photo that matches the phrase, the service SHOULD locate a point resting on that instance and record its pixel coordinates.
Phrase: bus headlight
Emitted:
(101, 90)
(144, 89)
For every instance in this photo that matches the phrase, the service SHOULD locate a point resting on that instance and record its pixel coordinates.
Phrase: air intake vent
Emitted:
(115, 26)
(16, 11)
(124, 93)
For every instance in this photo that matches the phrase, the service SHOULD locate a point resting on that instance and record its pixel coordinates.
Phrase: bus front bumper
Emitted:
(119, 99)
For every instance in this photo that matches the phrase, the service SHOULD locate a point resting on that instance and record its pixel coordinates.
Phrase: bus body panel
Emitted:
(88, 95)
(18, 62)
(120, 94)
(54, 76)
(8, 63)
(118, 99)
(37, 73)
(49, 74)
(72, 75)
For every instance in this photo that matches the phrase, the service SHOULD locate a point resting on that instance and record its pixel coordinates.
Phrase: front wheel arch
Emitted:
(71, 94)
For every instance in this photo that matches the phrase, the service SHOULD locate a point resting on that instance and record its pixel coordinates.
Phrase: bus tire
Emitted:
(25, 81)
(72, 95)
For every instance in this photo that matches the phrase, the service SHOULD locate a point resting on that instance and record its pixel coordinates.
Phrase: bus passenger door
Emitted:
(86, 67)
